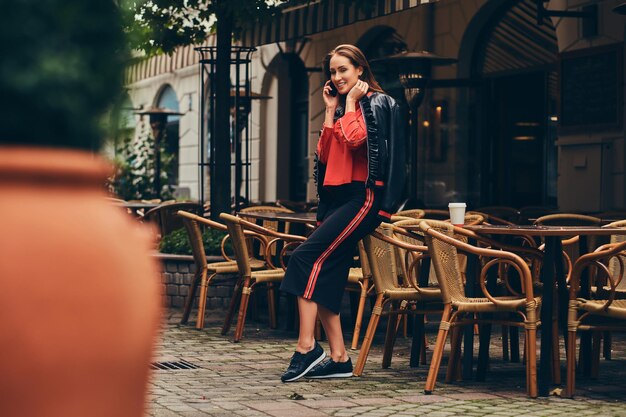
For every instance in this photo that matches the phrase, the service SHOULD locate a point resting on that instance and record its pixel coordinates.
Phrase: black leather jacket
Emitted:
(386, 156)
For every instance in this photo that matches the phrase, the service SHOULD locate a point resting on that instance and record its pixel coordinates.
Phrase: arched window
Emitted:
(167, 99)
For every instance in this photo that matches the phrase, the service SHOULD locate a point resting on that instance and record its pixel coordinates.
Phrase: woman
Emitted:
(360, 177)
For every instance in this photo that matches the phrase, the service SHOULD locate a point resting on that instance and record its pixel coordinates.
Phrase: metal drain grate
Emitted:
(172, 366)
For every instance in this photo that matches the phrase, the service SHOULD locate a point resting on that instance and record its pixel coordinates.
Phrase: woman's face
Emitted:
(343, 74)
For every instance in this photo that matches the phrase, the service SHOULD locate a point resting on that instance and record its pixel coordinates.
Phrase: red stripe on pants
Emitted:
(317, 266)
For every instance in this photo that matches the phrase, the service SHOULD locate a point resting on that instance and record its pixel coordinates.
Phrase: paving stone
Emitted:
(242, 379)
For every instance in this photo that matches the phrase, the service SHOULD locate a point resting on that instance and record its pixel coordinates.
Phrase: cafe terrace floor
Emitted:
(243, 379)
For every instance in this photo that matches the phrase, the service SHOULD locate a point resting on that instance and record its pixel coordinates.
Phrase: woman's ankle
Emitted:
(339, 358)
(305, 347)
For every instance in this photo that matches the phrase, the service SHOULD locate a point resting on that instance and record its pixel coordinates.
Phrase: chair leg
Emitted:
(454, 362)
(359, 314)
(271, 301)
(531, 362)
(246, 290)
(204, 284)
(514, 342)
(556, 357)
(417, 345)
(369, 336)
(435, 362)
(505, 343)
(390, 337)
(571, 364)
(483, 351)
(607, 345)
(234, 301)
(595, 361)
(190, 297)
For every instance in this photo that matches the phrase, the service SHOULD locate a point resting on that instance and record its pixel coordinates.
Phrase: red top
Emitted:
(343, 150)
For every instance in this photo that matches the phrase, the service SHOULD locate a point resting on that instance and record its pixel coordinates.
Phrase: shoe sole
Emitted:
(315, 362)
(343, 375)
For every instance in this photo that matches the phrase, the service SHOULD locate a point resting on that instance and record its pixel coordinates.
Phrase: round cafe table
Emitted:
(552, 272)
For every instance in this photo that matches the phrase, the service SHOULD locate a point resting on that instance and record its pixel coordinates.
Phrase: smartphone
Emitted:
(333, 89)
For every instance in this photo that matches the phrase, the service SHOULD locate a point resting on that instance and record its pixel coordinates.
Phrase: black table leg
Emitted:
(417, 343)
(468, 333)
(544, 373)
(485, 330)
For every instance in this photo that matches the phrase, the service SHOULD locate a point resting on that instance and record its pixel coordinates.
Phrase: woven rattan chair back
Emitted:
(194, 233)
(382, 260)
(413, 213)
(416, 237)
(268, 224)
(164, 215)
(240, 245)
(473, 219)
(614, 265)
(444, 258)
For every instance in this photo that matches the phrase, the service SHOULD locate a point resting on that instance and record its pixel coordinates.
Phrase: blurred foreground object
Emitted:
(78, 288)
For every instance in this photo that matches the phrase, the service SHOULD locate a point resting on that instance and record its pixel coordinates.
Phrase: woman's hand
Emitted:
(330, 101)
(358, 91)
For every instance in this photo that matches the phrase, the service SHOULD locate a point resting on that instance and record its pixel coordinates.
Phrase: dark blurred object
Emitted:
(61, 68)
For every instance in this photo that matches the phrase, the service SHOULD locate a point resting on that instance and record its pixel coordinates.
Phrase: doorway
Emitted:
(519, 141)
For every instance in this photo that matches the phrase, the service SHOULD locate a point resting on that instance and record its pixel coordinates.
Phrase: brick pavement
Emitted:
(242, 379)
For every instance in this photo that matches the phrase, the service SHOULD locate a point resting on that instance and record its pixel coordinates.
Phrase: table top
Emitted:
(310, 218)
(532, 230)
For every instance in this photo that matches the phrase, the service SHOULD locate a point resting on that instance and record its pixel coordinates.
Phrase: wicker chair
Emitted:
(268, 224)
(460, 310)
(380, 247)
(413, 213)
(164, 215)
(205, 272)
(248, 279)
(570, 246)
(590, 312)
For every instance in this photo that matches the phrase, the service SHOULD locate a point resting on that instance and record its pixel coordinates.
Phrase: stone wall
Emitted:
(177, 272)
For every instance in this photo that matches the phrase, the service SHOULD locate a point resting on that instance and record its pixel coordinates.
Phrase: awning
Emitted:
(319, 16)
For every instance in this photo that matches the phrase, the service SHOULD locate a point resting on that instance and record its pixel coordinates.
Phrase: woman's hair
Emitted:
(357, 58)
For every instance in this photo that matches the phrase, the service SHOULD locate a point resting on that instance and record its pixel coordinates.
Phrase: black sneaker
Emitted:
(301, 363)
(331, 369)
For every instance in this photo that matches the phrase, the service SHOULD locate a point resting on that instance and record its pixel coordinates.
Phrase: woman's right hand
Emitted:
(329, 101)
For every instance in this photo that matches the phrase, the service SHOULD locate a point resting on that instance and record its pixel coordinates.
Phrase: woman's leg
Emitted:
(308, 315)
(332, 326)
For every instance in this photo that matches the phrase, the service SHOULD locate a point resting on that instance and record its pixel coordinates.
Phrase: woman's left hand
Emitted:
(358, 91)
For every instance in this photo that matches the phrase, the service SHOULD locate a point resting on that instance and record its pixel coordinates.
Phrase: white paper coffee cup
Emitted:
(457, 213)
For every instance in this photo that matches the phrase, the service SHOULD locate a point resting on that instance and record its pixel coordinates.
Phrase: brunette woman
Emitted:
(359, 171)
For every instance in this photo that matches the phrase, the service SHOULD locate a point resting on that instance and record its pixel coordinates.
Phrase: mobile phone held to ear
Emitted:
(333, 89)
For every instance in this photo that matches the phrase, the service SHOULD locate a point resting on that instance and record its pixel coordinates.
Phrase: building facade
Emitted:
(531, 112)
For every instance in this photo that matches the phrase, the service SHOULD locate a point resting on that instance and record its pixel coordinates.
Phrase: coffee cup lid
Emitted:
(457, 205)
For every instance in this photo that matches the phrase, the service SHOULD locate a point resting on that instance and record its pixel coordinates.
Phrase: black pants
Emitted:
(318, 269)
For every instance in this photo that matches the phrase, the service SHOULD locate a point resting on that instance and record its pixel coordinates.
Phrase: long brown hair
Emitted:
(357, 58)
